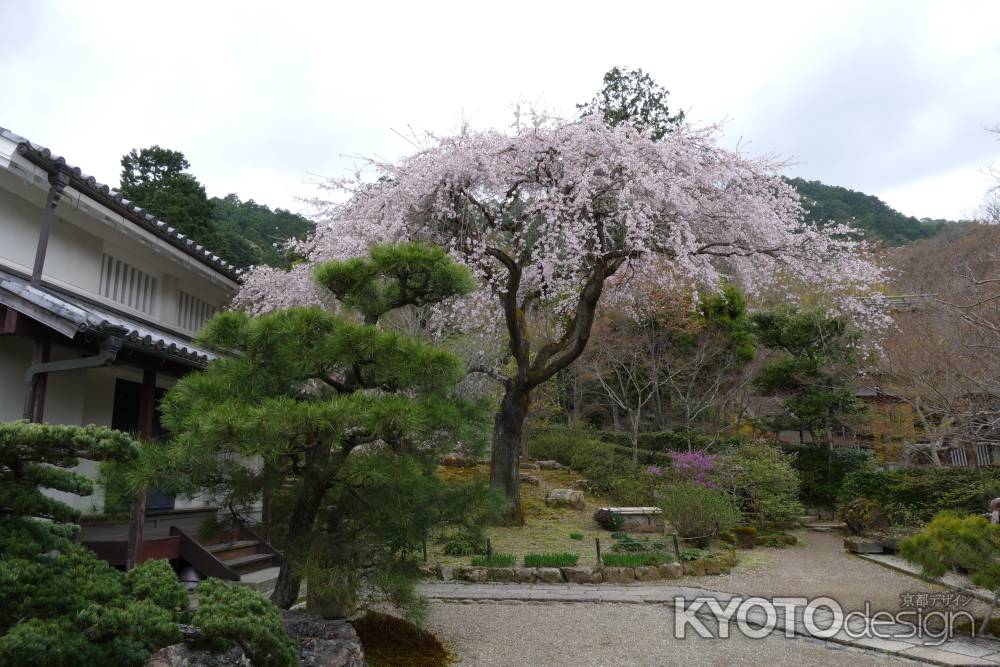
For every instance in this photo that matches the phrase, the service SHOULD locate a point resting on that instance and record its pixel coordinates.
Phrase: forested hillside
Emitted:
(825, 203)
(248, 231)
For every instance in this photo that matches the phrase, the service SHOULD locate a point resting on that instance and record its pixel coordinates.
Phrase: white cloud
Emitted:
(261, 96)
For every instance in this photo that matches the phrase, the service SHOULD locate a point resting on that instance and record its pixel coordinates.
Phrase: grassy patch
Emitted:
(576, 535)
(496, 560)
(546, 529)
(551, 560)
(393, 642)
(636, 559)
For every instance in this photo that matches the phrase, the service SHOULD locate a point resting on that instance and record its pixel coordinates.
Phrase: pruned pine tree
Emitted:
(340, 421)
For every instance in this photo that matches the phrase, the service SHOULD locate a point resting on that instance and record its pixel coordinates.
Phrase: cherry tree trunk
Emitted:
(508, 434)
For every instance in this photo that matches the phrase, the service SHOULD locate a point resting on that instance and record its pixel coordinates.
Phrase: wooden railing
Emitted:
(201, 558)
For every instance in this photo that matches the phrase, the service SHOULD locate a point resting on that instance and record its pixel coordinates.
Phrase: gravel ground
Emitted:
(487, 634)
(817, 566)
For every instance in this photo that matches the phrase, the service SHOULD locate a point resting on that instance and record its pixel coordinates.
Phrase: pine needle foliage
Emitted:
(61, 605)
(339, 423)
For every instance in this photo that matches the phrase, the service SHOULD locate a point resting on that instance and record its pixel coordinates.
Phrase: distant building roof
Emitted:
(71, 315)
(111, 198)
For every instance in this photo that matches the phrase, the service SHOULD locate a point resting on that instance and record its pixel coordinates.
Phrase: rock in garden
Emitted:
(550, 465)
(670, 571)
(322, 643)
(713, 566)
(565, 498)
(456, 460)
(647, 573)
(861, 545)
(528, 465)
(506, 575)
(548, 575)
(470, 574)
(694, 568)
(531, 479)
(582, 575)
(524, 575)
(445, 572)
(182, 655)
(581, 484)
(619, 575)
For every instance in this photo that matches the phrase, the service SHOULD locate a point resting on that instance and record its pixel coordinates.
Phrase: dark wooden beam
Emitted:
(57, 181)
(43, 350)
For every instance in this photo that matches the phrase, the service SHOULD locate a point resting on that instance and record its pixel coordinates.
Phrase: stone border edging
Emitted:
(583, 574)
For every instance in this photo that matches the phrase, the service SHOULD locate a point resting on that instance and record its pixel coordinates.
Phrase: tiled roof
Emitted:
(72, 315)
(113, 199)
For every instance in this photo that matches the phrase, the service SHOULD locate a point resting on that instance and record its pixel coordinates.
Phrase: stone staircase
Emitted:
(818, 525)
(238, 555)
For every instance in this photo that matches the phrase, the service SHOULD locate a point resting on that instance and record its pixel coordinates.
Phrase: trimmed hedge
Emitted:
(609, 470)
(915, 495)
(822, 471)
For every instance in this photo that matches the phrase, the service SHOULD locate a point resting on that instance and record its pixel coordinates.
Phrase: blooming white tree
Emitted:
(556, 214)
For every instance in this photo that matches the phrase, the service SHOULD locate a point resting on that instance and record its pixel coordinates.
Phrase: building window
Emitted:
(192, 313)
(127, 285)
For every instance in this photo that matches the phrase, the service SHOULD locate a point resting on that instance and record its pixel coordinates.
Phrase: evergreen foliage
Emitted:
(339, 423)
(831, 203)
(244, 233)
(252, 234)
(817, 358)
(632, 96)
(64, 607)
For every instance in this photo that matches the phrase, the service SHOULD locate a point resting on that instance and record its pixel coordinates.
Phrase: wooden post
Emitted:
(41, 355)
(597, 545)
(137, 508)
(677, 548)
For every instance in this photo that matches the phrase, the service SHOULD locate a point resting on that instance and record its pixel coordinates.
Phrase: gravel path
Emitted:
(817, 566)
(524, 634)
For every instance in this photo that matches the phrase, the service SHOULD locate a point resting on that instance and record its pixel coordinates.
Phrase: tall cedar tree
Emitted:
(632, 96)
(340, 422)
(63, 606)
(156, 179)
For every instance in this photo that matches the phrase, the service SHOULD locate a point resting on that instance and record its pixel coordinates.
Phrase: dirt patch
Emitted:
(390, 641)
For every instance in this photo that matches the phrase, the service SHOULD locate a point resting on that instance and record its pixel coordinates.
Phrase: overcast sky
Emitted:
(890, 98)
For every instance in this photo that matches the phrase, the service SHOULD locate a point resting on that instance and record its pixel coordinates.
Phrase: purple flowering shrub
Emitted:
(695, 467)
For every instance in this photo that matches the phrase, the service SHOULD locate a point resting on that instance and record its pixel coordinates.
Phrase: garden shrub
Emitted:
(551, 560)
(609, 520)
(636, 559)
(862, 515)
(627, 543)
(915, 495)
(696, 511)
(764, 483)
(576, 536)
(464, 544)
(63, 606)
(609, 471)
(495, 560)
(691, 553)
(246, 618)
(822, 471)
(745, 536)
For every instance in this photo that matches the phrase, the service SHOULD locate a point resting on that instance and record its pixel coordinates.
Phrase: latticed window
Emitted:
(192, 312)
(127, 285)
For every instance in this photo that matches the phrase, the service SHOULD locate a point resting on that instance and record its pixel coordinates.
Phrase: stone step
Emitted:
(262, 581)
(229, 550)
(827, 527)
(250, 563)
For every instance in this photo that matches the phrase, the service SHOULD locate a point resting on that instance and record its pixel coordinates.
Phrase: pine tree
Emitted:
(63, 606)
(338, 423)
